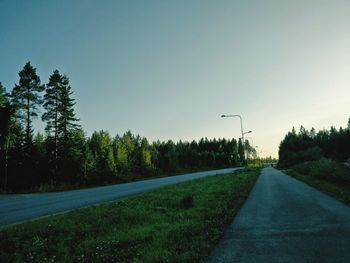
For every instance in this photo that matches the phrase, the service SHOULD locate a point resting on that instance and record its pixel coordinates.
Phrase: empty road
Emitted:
(285, 220)
(22, 207)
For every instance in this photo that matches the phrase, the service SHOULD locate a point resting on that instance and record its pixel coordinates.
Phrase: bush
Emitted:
(325, 169)
(303, 168)
(333, 171)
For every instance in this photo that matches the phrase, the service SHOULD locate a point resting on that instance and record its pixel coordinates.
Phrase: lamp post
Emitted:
(240, 117)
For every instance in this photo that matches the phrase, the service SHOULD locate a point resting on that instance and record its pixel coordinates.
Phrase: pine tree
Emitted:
(5, 117)
(5, 114)
(26, 98)
(51, 104)
(67, 129)
(67, 122)
(10, 134)
(61, 123)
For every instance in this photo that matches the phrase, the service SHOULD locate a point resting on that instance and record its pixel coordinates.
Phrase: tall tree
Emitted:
(5, 120)
(70, 136)
(5, 114)
(52, 101)
(67, 122)
(26, 98)
(61, 124)
(11, 135)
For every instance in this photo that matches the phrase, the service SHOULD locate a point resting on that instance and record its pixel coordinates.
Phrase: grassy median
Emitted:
(178, 223)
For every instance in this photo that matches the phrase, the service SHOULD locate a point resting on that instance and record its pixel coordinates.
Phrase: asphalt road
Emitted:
(285, 220)
(22, 207)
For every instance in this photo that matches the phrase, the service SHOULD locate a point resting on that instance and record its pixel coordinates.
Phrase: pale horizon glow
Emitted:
(170, 69)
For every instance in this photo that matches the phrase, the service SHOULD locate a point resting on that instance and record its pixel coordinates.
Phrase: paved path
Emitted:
(22, 207)
(285, 220)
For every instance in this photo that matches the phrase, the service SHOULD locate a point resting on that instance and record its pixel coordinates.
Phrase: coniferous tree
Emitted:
(52, 101)
(26, 98)
(70, 136)
(63, 132)
(5, 114)
(67, 122)
(5, 119)
(11, 137)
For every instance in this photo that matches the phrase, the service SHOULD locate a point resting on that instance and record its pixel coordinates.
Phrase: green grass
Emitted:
(337, 190)
(179, 223)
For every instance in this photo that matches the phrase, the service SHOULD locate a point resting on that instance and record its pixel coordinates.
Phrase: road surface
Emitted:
(22, 207)
(285, 220)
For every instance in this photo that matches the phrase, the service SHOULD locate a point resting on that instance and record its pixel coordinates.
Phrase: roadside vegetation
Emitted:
(64, 157)
(178, 223)
(320, 159)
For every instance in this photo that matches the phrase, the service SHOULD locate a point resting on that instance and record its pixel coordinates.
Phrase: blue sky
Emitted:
(169, 69)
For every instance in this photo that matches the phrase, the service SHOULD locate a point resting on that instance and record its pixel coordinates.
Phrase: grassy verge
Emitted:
(44, 188)
(179, 223)
(340, 192)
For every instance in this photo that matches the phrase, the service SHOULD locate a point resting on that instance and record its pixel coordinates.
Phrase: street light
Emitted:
(240, 117)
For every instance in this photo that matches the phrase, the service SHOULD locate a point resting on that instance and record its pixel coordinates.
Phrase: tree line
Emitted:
(311, 145)
(65, 155)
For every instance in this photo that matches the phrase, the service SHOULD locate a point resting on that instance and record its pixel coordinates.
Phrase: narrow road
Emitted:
(285, 220)
(22, 207)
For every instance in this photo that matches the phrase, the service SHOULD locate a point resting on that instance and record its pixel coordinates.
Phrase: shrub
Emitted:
(333, 171)
(303, 168)
(325, 169)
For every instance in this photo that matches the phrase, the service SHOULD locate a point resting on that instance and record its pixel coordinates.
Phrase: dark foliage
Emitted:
(26, 98)
(311, 146)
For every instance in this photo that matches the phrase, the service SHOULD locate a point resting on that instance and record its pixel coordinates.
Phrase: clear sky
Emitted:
(169, 69)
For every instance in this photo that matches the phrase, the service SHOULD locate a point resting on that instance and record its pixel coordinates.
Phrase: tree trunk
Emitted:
(56, 139)
(6, 162)
(28, 119)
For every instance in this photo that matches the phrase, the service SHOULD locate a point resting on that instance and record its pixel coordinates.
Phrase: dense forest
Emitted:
(321, 157)
(311, 146)
(64, 155)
